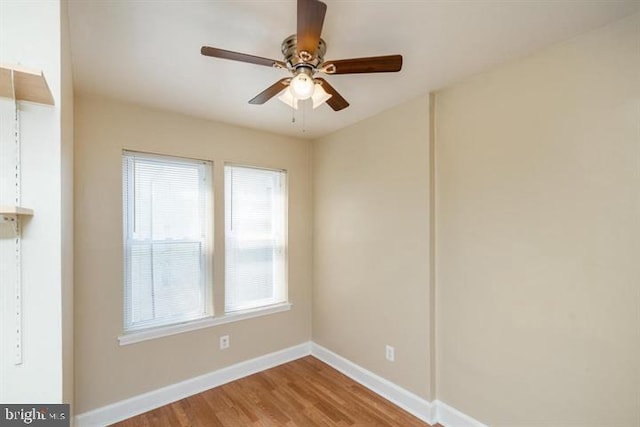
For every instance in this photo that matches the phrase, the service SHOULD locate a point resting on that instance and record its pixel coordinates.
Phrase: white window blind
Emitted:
(255, 237)
(167, 217)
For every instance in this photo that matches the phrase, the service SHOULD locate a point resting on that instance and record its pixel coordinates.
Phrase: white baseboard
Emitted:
(408, 401)
(451, 417)
(145, 402)
(430, 412)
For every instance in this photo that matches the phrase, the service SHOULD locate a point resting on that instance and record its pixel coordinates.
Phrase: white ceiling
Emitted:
(148, 52)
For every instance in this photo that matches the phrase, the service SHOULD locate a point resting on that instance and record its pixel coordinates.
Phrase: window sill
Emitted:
(165, 331)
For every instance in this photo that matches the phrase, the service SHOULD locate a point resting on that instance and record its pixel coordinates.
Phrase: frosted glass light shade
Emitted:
(320, 96)
(287, 97)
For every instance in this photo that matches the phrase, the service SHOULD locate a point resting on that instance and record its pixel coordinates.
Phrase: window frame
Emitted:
(285, 238)
(206, 257)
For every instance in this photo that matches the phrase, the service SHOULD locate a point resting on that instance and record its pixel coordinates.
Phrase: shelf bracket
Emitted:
(18, 294)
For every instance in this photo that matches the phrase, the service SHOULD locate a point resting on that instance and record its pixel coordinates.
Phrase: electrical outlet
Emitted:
(224, 342)
(390, 353)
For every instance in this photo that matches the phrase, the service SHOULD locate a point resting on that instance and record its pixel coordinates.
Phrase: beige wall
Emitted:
(537, 208)
(371, 244)
(66, 180)
(536, 241)
(107, 372)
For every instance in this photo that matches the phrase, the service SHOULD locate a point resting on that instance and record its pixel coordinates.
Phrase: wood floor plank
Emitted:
(302, 393)
(179, 413)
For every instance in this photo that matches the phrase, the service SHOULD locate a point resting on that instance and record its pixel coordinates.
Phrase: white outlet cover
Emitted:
(224, 342)
(390, 353)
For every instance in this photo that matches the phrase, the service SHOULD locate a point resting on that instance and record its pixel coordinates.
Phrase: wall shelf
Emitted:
(30, 85)
(15, 211)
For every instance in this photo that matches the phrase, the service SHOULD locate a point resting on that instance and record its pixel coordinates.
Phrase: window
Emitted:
(168, 223)
(255, 237)
(167, 226)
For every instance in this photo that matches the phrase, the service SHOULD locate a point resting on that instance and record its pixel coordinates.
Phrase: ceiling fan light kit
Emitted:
(304, 57)
(319, 97)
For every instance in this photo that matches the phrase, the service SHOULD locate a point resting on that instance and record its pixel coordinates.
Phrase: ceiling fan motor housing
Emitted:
(311, 60)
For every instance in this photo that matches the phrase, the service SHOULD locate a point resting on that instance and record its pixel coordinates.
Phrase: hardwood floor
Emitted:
(302, 393)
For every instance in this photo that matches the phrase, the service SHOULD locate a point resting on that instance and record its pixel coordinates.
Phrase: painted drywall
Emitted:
(537, 236)
(371, 244)
(66, 180)
(107, 372)
(30, 35)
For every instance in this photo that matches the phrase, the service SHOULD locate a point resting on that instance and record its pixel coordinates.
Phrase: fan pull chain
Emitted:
(304, 117)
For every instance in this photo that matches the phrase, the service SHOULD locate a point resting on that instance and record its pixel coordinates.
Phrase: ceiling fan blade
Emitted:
(373, 64)
(337, 102)
(270, 92)
(310, 19)
(242, 57)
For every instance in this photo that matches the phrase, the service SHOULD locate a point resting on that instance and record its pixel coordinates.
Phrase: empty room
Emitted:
(320, 213)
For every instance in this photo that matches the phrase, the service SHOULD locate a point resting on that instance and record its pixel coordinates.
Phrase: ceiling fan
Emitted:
(304, 58)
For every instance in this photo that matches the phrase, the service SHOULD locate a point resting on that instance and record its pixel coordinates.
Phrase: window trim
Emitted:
(194, 325)
(211, 320)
